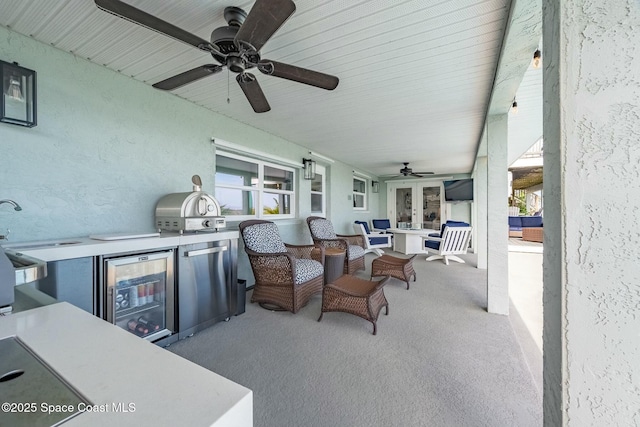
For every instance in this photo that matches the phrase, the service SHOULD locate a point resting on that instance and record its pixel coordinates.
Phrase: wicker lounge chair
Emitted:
(287, 276)
(323, 235)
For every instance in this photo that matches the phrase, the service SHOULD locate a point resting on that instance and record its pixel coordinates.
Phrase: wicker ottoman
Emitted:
(532, 234)
(400, 268)
(360, 297)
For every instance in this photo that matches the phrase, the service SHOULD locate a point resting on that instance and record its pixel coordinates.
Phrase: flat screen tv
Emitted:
(458, 190)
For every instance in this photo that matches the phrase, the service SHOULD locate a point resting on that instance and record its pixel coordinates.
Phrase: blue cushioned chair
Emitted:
(373, 242)
(454, 240)
(287, 276)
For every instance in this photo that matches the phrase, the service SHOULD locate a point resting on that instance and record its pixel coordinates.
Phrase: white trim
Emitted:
(365, 195)
(362, 174)
(417, 180)
(320, 156)
(259, 155)
(323, 172)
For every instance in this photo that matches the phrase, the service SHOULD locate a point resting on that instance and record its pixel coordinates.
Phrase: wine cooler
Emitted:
(138, 293)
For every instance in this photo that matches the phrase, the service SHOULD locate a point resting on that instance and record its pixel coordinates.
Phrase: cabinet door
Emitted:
(71, 280)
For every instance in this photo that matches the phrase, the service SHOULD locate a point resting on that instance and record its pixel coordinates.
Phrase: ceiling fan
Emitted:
(407, 171)
(236, 46)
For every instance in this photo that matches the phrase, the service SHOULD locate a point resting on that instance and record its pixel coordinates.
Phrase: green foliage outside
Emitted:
(272, 211)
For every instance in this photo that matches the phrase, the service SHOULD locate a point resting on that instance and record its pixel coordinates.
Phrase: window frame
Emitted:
(323, 172)
(259, 189)
(364, 195)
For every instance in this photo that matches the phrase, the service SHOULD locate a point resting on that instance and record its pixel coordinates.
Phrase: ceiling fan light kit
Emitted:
(236, 46)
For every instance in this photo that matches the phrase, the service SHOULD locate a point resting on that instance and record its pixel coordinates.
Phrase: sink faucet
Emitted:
(12, 203)
(16, 207)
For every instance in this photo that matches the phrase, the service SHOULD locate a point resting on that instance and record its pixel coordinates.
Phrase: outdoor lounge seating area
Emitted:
(518, 223)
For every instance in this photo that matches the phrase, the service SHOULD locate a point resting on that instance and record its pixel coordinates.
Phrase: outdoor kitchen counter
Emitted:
(110, 366)
(56, 250)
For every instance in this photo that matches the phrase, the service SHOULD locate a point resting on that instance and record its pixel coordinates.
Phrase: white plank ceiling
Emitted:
(415, 76)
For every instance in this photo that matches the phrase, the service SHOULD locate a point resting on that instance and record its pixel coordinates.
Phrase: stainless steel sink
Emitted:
(25, 379)
(28, 269)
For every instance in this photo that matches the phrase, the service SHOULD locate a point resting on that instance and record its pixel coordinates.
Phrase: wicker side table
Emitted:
(400, 268)
(333, 264)
(349, 294)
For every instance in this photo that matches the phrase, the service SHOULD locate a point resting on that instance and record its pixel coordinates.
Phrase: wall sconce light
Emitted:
(18, 104)
(309, 167)
(375, 185)
(514, 108)
(537, 59)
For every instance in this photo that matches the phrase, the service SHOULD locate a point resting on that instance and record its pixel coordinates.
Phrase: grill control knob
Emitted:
(207, 223)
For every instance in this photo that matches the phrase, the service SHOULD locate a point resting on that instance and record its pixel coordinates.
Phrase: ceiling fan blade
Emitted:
(137, 16)
(188, 77)
(298, 74)
(425, 173)
(253, 92)
(264, 19)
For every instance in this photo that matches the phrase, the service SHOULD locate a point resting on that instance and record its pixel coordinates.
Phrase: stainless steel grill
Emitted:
(194, 211)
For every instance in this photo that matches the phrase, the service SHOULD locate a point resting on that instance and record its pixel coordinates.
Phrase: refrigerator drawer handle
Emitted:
(205, 251)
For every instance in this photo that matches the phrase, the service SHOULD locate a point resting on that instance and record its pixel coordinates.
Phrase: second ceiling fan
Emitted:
(236, 46)
(407, 171)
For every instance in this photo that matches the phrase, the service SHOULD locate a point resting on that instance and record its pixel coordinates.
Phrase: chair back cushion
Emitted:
(531, 221)
(381, 223)
(322, 229)
(452, 224)
(365, 225)
(515, 221)
(263, 238)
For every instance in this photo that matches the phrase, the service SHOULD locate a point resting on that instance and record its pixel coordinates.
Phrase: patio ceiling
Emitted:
(416, 77)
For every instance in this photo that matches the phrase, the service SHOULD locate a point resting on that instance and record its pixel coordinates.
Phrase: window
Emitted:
(318, 192)
(359, 193)
(248, 188)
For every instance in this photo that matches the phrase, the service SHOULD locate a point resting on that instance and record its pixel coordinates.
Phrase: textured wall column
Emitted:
(497, 210)
(480, 197)
(591, 300)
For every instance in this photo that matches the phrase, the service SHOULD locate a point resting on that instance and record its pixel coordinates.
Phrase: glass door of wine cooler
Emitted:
(139, 294)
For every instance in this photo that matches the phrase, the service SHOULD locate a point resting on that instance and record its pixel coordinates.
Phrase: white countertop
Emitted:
(109, 365)
(86, 246)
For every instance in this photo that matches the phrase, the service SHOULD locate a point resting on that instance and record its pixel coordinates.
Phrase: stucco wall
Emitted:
(592, 237)
(107, 147)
